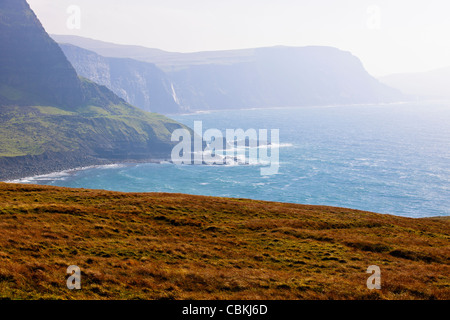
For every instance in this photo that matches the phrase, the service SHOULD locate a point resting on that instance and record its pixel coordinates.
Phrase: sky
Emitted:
(389, 36)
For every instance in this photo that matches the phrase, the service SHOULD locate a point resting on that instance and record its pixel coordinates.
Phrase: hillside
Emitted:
(33, 69)
(53, 120)
(252, 78)
(42, 139)
(173, 246)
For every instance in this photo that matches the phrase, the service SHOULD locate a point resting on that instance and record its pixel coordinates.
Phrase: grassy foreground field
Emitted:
(174, 246)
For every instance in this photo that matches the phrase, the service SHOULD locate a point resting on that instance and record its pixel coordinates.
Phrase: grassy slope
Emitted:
(155, 246)
(36, 129)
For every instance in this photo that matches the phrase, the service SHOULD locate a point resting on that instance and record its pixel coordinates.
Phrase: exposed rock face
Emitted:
(281, 76)
(33, 69)
(141, 84)
(254, 78)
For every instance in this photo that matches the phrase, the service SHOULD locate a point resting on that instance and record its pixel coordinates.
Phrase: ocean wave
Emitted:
(55, 176)
(109, 166)
(62, 175)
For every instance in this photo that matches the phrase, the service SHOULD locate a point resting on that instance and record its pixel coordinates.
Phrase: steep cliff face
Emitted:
(254, 78)
(280, 76)
(141, 84)
(33, 69)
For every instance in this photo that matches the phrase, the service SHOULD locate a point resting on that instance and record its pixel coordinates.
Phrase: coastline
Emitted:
(55, 175)
(27, 166)
(15, 169)
(194, 112)
(74, 170)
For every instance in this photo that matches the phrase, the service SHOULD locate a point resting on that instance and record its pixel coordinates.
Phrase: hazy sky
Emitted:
(388, 36)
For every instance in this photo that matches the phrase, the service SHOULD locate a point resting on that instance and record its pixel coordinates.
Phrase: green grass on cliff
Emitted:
(104, 122)
(174, 246)
(34, 130)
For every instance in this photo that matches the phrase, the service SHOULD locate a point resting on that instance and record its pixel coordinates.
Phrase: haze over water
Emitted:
(384, 158)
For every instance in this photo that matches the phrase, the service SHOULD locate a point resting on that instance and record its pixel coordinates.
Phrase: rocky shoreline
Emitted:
(14, 168)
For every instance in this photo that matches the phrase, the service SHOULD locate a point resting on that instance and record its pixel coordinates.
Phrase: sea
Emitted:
(385, 158)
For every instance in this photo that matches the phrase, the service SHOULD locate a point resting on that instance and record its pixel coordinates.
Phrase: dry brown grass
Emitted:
(174, 246)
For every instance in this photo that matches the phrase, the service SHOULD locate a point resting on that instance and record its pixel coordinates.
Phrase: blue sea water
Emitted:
(392, 158)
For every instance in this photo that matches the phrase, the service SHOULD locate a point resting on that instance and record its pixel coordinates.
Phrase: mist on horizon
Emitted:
(405, 36)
